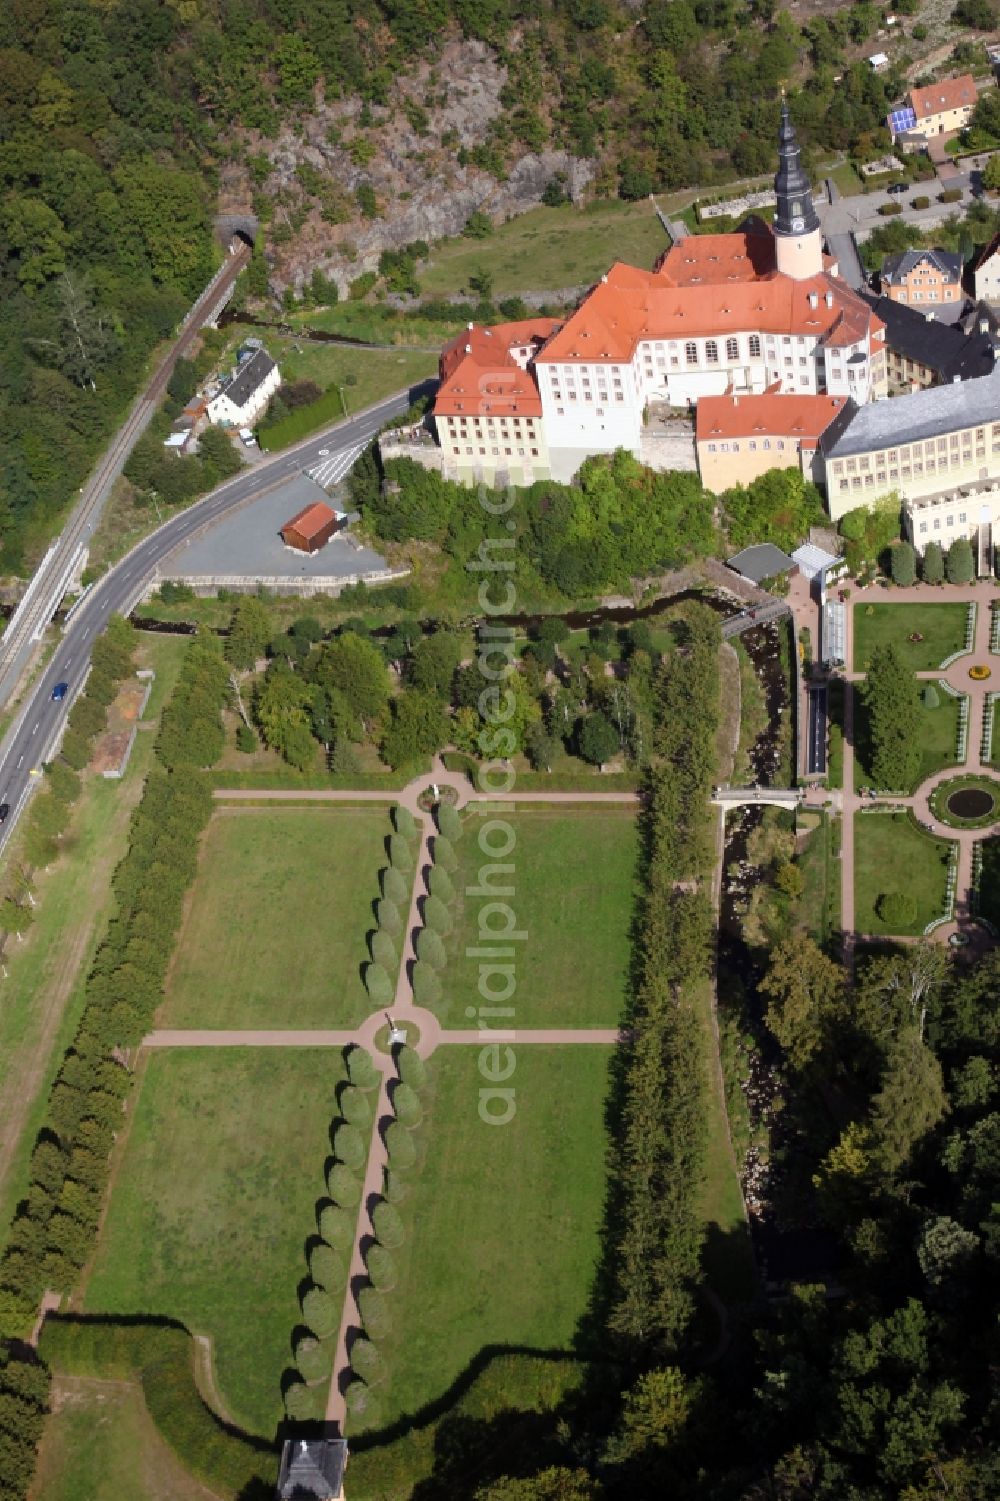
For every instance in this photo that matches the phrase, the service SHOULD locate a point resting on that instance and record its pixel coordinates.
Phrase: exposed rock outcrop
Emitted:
(414, 155)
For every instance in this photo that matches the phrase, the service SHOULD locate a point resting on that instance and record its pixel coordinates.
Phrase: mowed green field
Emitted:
(213, 1203)
(941, 626)
(550, 248)
(574, 883)
(937, 739)
(275, 930)
(502, 1223)
(100, 1444)
(892, 854)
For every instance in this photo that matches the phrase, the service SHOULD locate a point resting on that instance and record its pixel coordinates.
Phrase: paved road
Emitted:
(53, 574)
(859, 214)
(32, 738)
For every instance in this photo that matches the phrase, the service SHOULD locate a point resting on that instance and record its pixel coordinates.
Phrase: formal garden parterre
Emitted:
(275, 930)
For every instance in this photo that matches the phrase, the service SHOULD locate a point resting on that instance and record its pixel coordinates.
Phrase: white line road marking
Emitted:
(35, 730)
(19, 760)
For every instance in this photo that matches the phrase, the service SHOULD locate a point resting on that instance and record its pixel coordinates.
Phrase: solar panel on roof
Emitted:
(902, 119)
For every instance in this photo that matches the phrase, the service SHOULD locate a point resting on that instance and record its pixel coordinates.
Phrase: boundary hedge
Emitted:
(160, 1356)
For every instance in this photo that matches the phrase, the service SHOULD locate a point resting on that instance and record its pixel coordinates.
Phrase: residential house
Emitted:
(940, 108)
(986, 272)
(924, 278)
(244, 396)
(742, 437)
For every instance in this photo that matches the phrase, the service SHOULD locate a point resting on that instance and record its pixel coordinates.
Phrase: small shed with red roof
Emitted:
(311, 528)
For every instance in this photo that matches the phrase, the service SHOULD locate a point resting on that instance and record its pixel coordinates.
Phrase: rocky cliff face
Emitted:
(408, 154)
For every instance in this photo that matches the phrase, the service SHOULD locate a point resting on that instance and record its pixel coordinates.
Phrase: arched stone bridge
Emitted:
(776, 797)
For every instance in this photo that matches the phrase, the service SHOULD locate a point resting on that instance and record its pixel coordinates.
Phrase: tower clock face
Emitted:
(798, 224)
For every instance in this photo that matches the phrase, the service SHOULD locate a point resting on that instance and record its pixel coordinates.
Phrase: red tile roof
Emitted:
(311, 520)
(803, 417)
(744, 256)
(480, 375)
(629, 305)
(950, 93)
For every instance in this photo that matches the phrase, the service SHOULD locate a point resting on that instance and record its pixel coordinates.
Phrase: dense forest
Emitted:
(116, 121)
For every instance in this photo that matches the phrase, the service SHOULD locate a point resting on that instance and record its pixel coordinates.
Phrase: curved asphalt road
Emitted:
(40, 723)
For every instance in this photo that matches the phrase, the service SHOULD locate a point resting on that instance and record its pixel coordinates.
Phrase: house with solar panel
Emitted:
(939, 109)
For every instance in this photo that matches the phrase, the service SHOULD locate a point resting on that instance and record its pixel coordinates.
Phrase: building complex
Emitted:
(782, 363)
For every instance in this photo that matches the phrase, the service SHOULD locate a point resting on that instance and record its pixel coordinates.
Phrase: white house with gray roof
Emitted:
(245, 395)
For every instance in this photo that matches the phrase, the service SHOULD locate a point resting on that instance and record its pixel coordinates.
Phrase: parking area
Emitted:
(247, 544)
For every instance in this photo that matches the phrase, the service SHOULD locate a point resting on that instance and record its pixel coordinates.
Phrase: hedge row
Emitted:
(430, 948)
(54, 1226)
(161, 1356)
(329, 1259)
(660, 1153)
(367, 1363)
(24, 1397)
(396, 884)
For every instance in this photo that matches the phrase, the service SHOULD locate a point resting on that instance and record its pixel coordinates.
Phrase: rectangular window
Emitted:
(712, 352)
(732, 349)
(691, 353)
(961, 516)
(923, 526)
(755, 346)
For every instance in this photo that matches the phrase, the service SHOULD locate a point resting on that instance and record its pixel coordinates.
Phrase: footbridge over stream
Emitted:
(775, 797)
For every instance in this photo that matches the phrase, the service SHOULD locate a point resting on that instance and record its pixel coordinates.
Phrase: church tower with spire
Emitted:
(797, 240)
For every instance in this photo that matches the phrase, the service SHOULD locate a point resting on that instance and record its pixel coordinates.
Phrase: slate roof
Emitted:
(251, 374)
(896, 267)
(312, 1469)
(910, 419)
(762, 561)
(941, 347)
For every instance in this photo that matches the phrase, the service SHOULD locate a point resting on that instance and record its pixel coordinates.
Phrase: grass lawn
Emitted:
(818, 908)
(100, 1444)
(376, 323)
(727, 1255)
(42, 994)
(213, 1203)
(275, 929)
(503, 1224)
(938, 738)
(550, 248)
(574, 877)
(942, 628)
(892, 854)
(350, 379)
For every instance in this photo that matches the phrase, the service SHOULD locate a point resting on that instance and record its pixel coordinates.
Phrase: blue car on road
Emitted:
(60, 691)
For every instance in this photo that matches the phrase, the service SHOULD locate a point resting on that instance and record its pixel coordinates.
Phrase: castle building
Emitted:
(760, 309)
(937, 449)
(740, 438)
